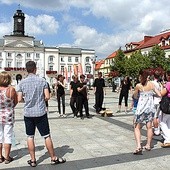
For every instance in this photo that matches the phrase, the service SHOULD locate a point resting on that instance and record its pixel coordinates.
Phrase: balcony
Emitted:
(14, 69)
(51, 72)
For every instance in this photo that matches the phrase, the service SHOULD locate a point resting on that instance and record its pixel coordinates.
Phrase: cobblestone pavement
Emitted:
(98, 143)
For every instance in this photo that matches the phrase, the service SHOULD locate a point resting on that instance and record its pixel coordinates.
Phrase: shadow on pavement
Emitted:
(100, 161)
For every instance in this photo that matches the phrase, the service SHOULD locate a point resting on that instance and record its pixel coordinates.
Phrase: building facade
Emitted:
(16, 49)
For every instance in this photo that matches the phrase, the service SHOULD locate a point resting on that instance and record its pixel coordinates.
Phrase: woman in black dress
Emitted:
(124, 93)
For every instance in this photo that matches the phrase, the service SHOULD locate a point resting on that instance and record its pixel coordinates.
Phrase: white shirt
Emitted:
(158, 86)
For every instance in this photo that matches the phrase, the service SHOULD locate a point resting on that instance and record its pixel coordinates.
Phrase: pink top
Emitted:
(6, 108)
(168, 88)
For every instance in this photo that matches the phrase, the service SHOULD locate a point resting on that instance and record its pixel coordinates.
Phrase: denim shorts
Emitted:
(40, 122)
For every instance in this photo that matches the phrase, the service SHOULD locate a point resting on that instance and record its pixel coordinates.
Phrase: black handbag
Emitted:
(165, 104)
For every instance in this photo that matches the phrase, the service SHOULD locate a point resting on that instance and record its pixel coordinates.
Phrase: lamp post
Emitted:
(93, 59)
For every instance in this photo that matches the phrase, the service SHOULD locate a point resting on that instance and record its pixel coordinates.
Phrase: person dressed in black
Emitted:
(124, 93)
(99, 85)
(83, 97)
(74, 95)
(60, 85)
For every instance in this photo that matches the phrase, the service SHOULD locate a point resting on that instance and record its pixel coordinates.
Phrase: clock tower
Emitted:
(19, 23)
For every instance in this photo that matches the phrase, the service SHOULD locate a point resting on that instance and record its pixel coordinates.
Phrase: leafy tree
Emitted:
(119, 62)
(157, 58)
(135, 63)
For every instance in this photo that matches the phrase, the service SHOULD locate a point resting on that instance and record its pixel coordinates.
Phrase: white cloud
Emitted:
(41, 24)
(130, 20)
(104, 44)
(5, 28)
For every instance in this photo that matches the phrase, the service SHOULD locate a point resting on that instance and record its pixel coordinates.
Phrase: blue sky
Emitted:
(102, 25)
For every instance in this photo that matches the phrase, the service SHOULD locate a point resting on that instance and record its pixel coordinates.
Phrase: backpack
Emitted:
(165, 104)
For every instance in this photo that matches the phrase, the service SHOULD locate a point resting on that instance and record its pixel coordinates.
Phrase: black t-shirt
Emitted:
(60, 90)
(99, 84)
(125, 87)
(84, 91)
(73, 86)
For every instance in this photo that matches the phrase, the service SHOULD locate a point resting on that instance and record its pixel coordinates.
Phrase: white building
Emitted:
(16, 49)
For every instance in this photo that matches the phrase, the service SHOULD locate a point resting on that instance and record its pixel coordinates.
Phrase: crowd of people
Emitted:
(35, 93)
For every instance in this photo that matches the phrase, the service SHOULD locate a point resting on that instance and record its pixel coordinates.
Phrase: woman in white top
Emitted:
(145, 110)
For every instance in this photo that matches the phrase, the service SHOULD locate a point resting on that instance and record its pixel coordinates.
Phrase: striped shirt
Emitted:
(32, 88)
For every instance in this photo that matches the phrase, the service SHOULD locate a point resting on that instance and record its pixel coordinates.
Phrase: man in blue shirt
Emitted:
(35, 92)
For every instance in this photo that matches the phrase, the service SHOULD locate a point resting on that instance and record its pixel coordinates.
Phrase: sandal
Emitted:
(10, 159)
(32, 163)
(147, 148)
(2, 159)
(58, 161)
(138, 151)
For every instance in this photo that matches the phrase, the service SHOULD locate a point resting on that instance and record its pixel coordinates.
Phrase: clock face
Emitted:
(19, 20)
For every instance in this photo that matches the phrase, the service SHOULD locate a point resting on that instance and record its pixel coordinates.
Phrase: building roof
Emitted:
(67, 50)
(112, 55)
(1, 42)
(99, 64)
(150, 41)
(38, 43)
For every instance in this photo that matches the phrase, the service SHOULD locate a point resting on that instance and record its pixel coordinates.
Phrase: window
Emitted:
(62, 69)
(51, 68)
(50, 59)
(19, 64)
(163, 43)
(69, 59)
(88, 69)
(9, 54)
(37, 55)
(9, 63)
(76, 59)
(87, 59)
(69, 68)
(62, 59)
(28, 55)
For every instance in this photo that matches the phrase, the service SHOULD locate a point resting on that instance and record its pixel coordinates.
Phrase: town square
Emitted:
(84, 84)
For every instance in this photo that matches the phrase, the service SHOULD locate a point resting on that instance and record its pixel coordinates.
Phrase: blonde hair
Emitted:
(5, 79)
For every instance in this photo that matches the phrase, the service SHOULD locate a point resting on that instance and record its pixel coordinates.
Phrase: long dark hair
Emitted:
(143, 76)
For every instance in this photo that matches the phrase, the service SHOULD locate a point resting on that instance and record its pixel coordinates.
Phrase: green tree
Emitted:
(119, 63)
(135, 63)
(157, 58)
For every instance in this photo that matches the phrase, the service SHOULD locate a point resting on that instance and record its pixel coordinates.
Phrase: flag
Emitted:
(80, 70)
(75, 69)
(66, 74)
(70, 73)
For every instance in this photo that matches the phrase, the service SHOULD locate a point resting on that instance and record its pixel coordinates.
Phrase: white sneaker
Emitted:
(157, 131)
(64, 115)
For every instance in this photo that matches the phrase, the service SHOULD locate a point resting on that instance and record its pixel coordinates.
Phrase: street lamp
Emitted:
(93, 59)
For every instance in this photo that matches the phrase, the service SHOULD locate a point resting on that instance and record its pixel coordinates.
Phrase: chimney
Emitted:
(146, 38)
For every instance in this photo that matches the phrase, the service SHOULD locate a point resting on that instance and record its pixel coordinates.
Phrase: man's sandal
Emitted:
(138, 151)
(2, 159)
(58, 161)
(32, 163)
(10, 159)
